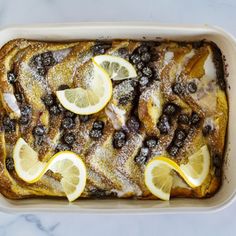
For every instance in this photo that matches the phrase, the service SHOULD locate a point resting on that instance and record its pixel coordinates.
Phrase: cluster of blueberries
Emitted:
(145, 150)
(43, 62)
(68, 121)
(141, 59)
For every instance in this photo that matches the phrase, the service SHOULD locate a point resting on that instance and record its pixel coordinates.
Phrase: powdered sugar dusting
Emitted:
(168, 57)
(54, 184)
(146, 94)
(10, 100)
(127, 186)
(61, 54)
(206, 93)
(116, 115)
(124, 89)
(40, 79)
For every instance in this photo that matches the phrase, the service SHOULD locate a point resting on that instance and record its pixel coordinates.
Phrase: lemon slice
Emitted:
(117, 67)
(72, 170)
(159, 172)
(88, 100)
(26, 162)
(197, 168)
(68, 164)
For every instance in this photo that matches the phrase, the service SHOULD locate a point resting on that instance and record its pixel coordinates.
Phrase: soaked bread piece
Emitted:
(179, 92)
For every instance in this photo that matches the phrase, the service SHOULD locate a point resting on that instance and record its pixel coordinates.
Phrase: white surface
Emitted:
(221, 13)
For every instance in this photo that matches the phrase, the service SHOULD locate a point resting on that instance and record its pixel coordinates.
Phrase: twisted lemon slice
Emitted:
(159, 172)
(68, 164)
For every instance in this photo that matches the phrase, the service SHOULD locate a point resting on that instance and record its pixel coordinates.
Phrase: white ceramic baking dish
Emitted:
(142, 31)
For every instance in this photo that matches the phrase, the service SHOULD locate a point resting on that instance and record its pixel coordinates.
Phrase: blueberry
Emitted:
(123, 52)
(84, 118)
(217, 160)
(183, 119)
(41, 71)
(143, 49)
(143, 81)
(135, 58)
(39, 130)
(98, 193)
(140, 65)
(192, 87)
(69, 114)
(170, 109)
(48, 100)
(119, 139)
(46, 55)
(207, 129)
(151, 142)
(9, 164)
(25, 110)
(119, 135)
(19, 97)
(144, 151)
(39, 140)
(145, 57)
(100, 48)
(54, 110)
(147, 71)
(97, 49)
(60, 107)
(67, 123)
(139, 74)
(63, 87)
(178, 89)
(98, 124)
(62, 147)
(163, 124)
(119, 143)
(180, 135)
(95, 133)
(49, 61)
(69, 138)
(195, 119)
(178, 143)
(123, 100)
(24, 120)
(133, 123)
(11, 77)
(173, 150)
(37, 61)
(140, 159)
(8, 124)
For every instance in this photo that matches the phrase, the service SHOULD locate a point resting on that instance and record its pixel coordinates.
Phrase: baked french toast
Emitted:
(176, 104)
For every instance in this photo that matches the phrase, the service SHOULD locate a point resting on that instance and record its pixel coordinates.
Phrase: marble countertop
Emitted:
(215, 12)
